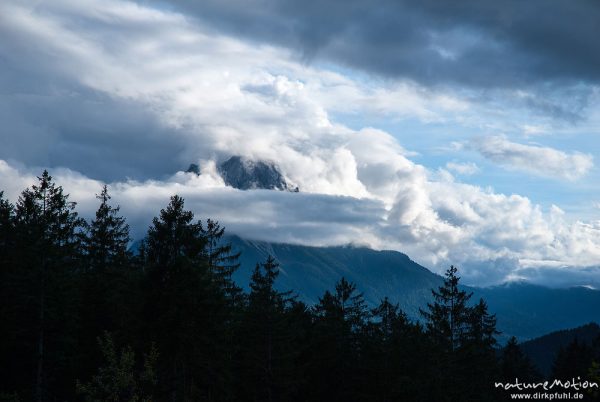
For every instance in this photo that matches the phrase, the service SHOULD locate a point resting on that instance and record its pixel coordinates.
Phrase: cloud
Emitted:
(171, 92)
(517, 43)
(494, 237)
(538, 160)
(118, 92)
(468, 168)
(269, 215)
(481, 47)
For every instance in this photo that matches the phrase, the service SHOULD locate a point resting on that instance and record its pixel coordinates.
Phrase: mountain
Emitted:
(528, 311)
(193, 169)
(523, 310)
(245, 174)
(542, 351)
(310, 271)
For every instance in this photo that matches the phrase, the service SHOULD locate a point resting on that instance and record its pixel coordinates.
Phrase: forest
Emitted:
(85, 318)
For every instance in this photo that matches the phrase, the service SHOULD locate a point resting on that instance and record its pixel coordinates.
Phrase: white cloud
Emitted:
(468, 168)
(532, 129)
(538, 160)
(137, 87)
(492, 236)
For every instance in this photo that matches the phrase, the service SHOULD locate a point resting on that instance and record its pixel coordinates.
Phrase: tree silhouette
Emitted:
(516, 365)
(463, 338)
(118, 380)
(48, 232)
(106, 282)
(63, 283)
(573, 361)
(448, 316)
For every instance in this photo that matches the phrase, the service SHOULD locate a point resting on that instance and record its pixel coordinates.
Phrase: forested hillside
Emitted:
(85, 319)
(543, 351)
(523, 310)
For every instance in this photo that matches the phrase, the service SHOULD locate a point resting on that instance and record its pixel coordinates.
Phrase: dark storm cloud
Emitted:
(79, 128)
(479, 43)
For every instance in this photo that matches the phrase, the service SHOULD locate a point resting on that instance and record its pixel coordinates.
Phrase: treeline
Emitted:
(84, 319)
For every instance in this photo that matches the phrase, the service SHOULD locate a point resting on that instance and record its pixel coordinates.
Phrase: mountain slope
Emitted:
(527, 311)
(310, 271)
(523, 310)
(542, 351)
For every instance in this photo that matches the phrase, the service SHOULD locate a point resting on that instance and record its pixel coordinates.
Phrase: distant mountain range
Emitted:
(523, 310)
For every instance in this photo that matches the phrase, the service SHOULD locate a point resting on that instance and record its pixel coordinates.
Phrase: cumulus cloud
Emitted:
(542, 161)
(172, 93)
(113, 91)
(493, 237)
(316, 219)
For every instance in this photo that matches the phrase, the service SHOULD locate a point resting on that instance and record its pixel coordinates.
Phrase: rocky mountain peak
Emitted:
(246, 174)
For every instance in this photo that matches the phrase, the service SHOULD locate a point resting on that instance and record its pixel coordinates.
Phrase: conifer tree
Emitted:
(8, 314)
(185, 310)
(476, 363)
(108, 237)
(448, 326)
(481, 330)
(340, 321)
(393, 356)
(48, 232)
(269, 351)
(107, 282)
(63, 282)
(6, 228)
(572, 361)
(221, 258)
(448, 316)
(173, 236)
(515, 364)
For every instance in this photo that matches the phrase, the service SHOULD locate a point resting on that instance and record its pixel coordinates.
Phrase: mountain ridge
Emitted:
(524, 310)
(542, 350)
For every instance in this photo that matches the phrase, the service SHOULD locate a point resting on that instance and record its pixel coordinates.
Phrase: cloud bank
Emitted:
(515, 42)
(118, 92)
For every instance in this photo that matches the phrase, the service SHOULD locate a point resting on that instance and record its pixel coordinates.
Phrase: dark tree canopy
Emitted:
(84, 319)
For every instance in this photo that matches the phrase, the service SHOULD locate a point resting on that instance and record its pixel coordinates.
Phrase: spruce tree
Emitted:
(107, 282)
(448, 316)
(6, 228)
(10, 328)
(174, 236)
(476, 359)
(186, 312)
(393, 356)
(573, 361)
(340, 321)
(448, 326)
(481, 326)
(48, 236)
(221, 258)
(108, 236)
(514, 364)
(268, 342)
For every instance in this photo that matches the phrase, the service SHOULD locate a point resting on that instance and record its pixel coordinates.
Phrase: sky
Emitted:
(461, 133)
